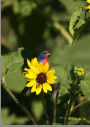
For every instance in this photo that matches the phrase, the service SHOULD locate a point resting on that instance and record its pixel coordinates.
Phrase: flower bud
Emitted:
(79, 72)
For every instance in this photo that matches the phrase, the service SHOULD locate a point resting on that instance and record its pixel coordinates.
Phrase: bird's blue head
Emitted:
(43, 55)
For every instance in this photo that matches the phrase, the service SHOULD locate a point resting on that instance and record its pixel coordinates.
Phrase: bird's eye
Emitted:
(43, 53)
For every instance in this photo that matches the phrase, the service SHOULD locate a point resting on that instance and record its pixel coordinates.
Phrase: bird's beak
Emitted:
(48, 54)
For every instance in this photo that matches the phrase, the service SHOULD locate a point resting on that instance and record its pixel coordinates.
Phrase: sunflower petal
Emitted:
(32, 83)
(44, 88)
(24, 73)
(89, 7)
(51, 81)
(51, 72)
(34, 62)
(35, 70)
(46, 67)
(25, 69)
(48, 87)
(38, 90)
(88, 1)
(28, 62)
(31, 75)
(52, 77)
(28, 79)
(40, 66)
(33, 89)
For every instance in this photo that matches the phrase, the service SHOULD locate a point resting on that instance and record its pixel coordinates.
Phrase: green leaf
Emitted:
(79, 53)
(21, 120)
(7, 119)
(73, 21)
(62, 78)
(16, 82)
(62, 99)
(88, 121)
(79, 24)
(15, 61)
(73, 121)
(3, 67)
(61, 74)
(71, 5)
(57, 124)
(25, 8)
(12, 62)
(85, 85)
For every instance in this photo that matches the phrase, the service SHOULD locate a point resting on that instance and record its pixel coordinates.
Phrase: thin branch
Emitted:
(79, 105)
(62, 30)
(18, 103)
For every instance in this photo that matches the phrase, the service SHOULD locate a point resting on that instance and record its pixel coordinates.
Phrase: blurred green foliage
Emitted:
(29, 24)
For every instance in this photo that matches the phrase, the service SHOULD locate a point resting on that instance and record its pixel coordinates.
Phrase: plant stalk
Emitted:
(46, 114)
(18, 103)
(68, 111)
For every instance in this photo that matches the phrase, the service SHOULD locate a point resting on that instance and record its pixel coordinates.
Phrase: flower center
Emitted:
(41, 78)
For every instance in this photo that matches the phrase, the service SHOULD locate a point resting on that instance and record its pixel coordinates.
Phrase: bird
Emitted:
(43, 57)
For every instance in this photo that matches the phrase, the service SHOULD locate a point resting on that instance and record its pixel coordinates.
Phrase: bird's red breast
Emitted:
(46, 61)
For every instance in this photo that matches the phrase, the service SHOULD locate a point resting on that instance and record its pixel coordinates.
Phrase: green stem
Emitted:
(18, 103)
(68, 111)
(78, 33)
(72, 97)
(46, 112)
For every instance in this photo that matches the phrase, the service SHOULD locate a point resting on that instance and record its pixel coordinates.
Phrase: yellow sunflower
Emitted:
(89, 8)
(88, 1)
(34, 63)
(38, 77)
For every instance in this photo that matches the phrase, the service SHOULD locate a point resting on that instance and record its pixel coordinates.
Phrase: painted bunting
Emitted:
(43, 57)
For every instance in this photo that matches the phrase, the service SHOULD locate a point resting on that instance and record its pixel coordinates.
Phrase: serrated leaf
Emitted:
(73, 21)
(15, 61)
(3, 67)
(79, 24)
(62, 78)
(61, 74)
(25, 8)
(12, 62)
(85, 86)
